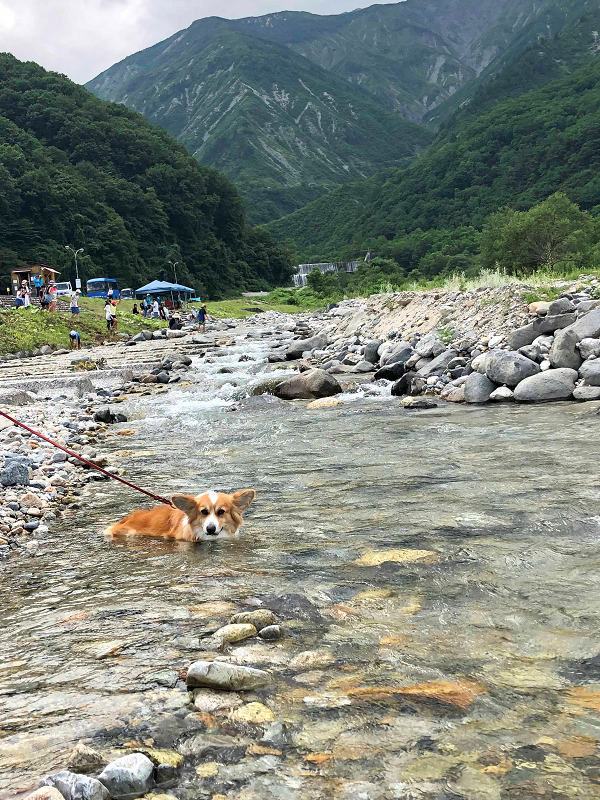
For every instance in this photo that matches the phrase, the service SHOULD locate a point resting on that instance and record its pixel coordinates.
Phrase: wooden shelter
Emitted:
(20, 274)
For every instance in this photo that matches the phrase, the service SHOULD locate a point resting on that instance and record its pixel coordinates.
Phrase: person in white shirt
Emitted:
(108, 315)
(155, 309)
(75, 302)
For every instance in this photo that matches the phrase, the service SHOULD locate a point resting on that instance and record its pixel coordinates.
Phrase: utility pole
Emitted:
(75, 253)
(174, 265)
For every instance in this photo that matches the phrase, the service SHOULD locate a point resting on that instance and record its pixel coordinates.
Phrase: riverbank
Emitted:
(380, 537)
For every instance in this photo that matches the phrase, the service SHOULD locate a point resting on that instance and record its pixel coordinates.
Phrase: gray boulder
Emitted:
(300, 346)
(554, 384)
(564, 352)
(589, 347)
(587, 305)
(219, 675)
(402, 352)
(478, 388)
(509, 368)
(15, 473)
(561, 306)
(590, 372)
(309, 385)
(128, 776)
(502, 394)
(553, 322)
(16, 397)
(439, 364)
(588, 325)
(403, 385)
(370, 353)
(430, 346)
(521, 337)
(586, 393)
(391, 372)
(76, 787)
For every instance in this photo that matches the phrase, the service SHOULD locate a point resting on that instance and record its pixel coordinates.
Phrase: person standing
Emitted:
(202, 317)
(113, 306)
(109, 294)
(75, 302)
(155, 309)
(52, 292)
(26, 295)
(108, 315)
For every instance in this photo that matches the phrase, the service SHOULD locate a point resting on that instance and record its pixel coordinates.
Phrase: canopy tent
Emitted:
(162, 287)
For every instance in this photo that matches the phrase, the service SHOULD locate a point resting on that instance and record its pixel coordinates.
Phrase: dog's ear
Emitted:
(186, 503)
(243, 498)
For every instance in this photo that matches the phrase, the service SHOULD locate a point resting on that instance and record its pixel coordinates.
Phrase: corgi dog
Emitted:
(208, 516)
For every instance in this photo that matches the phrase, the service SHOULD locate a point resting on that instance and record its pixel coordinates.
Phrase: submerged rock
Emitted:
(128, 776)
(220, 675)
(235, 632)
(260, 618)
(271, 633)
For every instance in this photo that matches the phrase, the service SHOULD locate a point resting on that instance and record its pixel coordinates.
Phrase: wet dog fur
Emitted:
(207, 517)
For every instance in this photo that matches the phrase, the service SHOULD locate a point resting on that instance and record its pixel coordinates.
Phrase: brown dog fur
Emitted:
(211, 515)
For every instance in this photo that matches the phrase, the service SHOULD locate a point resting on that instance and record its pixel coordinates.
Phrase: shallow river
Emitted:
(495, 630)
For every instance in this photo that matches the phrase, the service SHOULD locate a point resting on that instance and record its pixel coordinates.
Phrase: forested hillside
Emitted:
(292, 104)
(510, 146)
(81, 171)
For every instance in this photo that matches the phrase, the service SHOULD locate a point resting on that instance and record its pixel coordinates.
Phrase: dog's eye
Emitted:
(220, 512)
(205, 511)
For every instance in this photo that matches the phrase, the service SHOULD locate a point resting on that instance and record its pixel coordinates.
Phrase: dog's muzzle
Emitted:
(211, 530)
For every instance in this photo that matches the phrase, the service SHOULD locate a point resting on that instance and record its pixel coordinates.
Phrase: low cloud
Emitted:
(83, 37)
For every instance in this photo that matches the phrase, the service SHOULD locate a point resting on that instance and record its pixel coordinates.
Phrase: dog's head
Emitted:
(214, 515)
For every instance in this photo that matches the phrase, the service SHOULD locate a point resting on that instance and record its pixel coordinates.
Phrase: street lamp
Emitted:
(75, 253)
(174, 264)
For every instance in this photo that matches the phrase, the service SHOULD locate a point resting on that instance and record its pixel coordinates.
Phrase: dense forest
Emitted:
(81, 171)
(530, 132)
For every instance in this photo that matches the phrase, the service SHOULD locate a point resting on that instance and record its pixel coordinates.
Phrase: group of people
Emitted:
(46, 292)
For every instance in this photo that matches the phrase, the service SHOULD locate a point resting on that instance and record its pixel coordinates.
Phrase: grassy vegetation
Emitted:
(24, 330)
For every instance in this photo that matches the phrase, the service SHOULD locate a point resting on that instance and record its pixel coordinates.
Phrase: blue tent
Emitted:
(162, 287)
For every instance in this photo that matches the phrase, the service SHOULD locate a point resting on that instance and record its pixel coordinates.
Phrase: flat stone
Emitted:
(254, 713)
(220, 675)
(128, 776)
(373, 558)
(522, 336)
(555, 384)
(439, 364)
(416, 403)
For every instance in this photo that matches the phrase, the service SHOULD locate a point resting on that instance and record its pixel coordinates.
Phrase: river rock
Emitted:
(561, 306)
(588, 325)
(453, 394)
(15, 473)
(400, 351)
(391, 372)
(300, 346)
(76, 787)
(370, 352)
(554, 322)
(586, 393)
(539, 307)
(502, 394)
(430, 346)
(509, 368)
(171, 333)
(438, 365)
(220, 675)
(522, 336)
(564, 352)
(417, 403)
(555, 384)
(588, 348)
(308, 385)
(402, 386)
(272, 633)
(84, 759)
(478, 388)
(235, 632)
(260, 618)
(128, 776)
(45, 793)
(590, 372)
(16, 397)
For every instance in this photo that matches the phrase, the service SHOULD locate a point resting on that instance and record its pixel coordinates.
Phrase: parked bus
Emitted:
(126, 294)
(98, 287)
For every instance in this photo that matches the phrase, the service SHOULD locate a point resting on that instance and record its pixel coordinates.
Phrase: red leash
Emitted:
(89, 463)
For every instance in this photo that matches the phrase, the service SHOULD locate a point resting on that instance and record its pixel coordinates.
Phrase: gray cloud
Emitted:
(83, 37)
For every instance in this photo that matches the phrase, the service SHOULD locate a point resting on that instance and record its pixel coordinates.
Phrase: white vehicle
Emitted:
(64, 289)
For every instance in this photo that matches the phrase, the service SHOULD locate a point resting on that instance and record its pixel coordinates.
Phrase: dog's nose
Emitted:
(211, 529)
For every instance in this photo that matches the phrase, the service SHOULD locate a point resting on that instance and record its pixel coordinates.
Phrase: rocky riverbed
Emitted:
(411, 610)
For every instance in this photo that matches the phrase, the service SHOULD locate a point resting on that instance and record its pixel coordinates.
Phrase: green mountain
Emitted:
(291, 104)
(77, 170)
(529, 132)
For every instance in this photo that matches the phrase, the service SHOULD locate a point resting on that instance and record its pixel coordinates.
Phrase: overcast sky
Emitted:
(83, 37)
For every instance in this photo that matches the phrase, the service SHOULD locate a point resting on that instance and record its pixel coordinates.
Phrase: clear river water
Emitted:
(469, 671)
